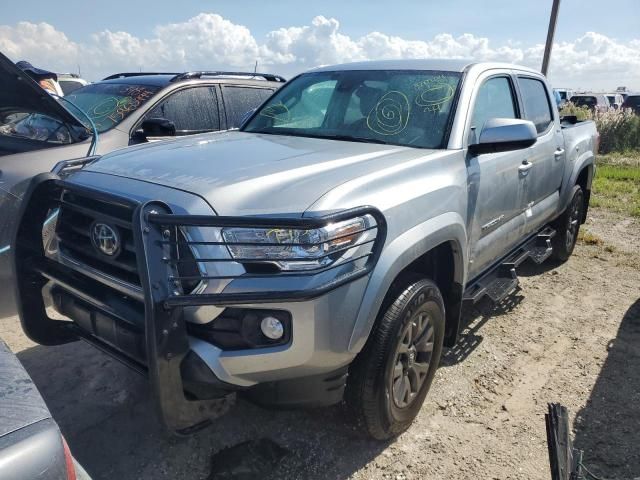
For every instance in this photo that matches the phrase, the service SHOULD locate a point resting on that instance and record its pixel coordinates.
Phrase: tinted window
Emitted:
(632, 101)
(109, 103)
(584, 101)
(494, 100)
(193, 110)
(536, 103)
(239, 100)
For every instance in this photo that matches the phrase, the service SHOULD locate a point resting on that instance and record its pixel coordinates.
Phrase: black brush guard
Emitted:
(157, 238)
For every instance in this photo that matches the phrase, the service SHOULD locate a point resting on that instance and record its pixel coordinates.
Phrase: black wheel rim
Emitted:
(574, 222)
(412, 359)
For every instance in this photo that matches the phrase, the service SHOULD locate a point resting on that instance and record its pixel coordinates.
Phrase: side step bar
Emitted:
(501, 280)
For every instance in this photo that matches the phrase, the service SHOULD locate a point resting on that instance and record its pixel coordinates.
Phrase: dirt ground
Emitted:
(571, 334)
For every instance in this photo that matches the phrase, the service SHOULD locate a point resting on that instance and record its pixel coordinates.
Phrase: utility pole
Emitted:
(550, 34)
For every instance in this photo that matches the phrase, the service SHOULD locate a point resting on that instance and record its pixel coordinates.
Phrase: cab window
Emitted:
(494, 99)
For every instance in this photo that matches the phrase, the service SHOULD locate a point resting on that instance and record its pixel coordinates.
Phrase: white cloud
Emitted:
(209, 41)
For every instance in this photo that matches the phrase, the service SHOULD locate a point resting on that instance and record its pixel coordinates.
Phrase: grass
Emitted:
(617, 183)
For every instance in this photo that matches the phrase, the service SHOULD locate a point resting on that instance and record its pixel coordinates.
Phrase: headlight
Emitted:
(297, 249)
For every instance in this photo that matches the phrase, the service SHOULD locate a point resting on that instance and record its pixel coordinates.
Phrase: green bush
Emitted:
(619, 131)
(569, 109)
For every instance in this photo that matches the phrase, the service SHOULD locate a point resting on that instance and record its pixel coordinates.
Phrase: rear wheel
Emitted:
(568, 226)
(390, 378)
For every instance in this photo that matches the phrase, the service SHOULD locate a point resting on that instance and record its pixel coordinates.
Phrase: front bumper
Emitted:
(322, 304)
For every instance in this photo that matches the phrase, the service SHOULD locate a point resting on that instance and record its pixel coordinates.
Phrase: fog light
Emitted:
(272, 328)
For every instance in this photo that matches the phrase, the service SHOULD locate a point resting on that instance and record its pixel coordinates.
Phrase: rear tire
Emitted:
(391, 376)
(568, 226)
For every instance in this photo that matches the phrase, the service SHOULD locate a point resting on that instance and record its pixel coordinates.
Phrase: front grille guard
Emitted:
(166, 339)
(157, 233)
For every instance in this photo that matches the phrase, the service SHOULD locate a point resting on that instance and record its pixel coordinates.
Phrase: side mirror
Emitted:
(503, 135)
(158, 127)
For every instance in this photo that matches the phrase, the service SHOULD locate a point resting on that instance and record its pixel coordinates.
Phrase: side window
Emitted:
(193, 110)
(239, 100)
(494, 100)
(536, 103)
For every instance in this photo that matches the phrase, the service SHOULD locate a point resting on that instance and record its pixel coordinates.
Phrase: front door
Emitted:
(496, 181)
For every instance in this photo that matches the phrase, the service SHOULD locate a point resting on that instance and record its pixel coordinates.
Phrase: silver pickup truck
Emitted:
(323, 251)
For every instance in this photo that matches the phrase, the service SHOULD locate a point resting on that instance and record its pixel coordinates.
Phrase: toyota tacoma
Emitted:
(320, 253)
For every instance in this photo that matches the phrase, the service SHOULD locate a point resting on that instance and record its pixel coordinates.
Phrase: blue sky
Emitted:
(519, 25)
(500, 20)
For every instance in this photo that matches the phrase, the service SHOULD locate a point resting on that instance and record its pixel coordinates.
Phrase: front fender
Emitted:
(397, 255)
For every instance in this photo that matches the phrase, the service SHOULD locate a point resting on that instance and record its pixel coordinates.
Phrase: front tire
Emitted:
(391, 376)
(568, 226)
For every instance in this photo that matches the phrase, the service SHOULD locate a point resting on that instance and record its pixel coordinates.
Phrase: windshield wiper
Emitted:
(351, 138)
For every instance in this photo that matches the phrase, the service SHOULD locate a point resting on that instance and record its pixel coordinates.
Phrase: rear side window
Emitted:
(494, 100)
(193, 110)
(536, 103)
(240, 100)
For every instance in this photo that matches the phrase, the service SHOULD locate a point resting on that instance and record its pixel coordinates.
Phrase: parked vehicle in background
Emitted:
(565, 95)
(624, 91)
(615, 100)
(70, 82)
(595, 102)
(38, 131)
(47, 80)
(321, 252)
(31, 445)
(633, 103)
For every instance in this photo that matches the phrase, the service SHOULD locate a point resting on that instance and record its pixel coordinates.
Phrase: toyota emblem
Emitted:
(105, 239)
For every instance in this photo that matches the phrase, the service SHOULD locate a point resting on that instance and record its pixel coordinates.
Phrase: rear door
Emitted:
(496, 184)
(240, 99)
(547, 155)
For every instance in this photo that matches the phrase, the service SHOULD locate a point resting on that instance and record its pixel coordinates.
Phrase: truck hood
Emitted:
(241, 173)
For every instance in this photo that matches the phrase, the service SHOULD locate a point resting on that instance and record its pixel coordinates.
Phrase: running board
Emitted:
(502, 280)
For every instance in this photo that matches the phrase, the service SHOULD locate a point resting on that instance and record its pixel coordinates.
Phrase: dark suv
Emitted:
(633, 102)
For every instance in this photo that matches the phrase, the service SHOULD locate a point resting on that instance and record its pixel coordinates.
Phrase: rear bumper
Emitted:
(154, 336)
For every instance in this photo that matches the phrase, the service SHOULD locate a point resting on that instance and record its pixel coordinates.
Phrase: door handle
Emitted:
(525, 167)
(558, 153)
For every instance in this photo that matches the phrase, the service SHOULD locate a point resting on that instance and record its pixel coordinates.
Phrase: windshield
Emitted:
(409, 108)
(107, 104)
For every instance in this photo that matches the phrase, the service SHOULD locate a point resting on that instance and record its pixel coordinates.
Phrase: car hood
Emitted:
(20, 402)
(19, 93)
(241, 173)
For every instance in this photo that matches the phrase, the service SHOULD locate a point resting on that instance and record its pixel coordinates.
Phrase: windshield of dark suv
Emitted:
(409, 108)
(107, 104)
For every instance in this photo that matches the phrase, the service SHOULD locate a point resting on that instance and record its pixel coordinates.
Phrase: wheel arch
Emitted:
(584, 178)
(435, 248)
